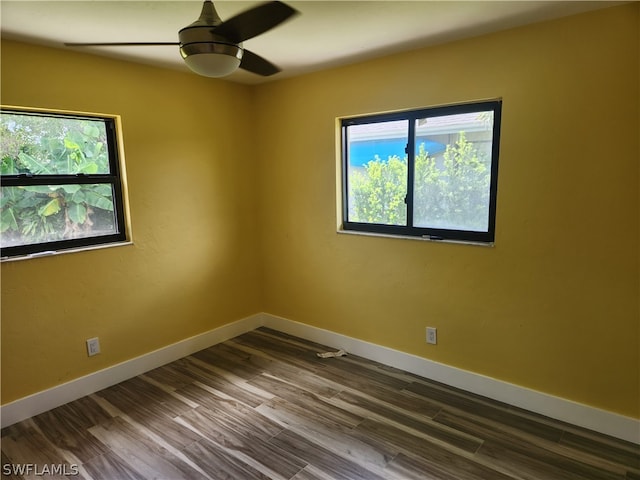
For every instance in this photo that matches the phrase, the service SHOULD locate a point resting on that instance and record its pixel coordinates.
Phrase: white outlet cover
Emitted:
(432, 335)
(93, 346)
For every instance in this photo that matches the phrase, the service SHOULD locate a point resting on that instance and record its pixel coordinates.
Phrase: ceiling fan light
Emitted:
(212, 64)
(212, 59)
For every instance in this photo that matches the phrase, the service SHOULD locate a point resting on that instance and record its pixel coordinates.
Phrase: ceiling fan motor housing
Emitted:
(200, 38)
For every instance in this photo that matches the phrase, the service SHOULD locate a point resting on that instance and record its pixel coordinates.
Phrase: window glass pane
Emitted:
(46, 213)
(377, 172)
(453, 171)
(50, 145)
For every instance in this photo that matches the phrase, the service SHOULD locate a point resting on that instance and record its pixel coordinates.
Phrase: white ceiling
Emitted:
(326, 34)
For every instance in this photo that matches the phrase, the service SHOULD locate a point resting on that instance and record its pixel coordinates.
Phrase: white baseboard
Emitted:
(602, 421)
(40, 402)
(615, 425)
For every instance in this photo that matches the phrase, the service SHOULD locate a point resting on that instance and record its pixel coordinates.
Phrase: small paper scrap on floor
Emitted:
(339, 353)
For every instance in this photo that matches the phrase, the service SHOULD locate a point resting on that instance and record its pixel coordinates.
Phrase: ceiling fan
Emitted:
(213, 48)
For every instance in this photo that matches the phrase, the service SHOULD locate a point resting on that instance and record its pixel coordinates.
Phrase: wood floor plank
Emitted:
(361, 361)
(228, 350)
(412, 468)
(212, 377)
(332, 436)
(292, 374)
(236, 415)
(325, 460)
(174, 434)
(264, 406)
(402, 400)
(137, 395)
(306, 399)
(219, 464)
(66, 426)
(530, 456)
(499, 412)
(620, 452)
(536, 464)
(262, 455)
(334, 369)
(311, 473)
(283, 337)
(23, 443)
(407, 410)
(426, 426)
(172, 375)
(110, 466)
(61, 430)
(288, 353)
(229, 360)
(439, 457)
(140, 452)
(156, 420)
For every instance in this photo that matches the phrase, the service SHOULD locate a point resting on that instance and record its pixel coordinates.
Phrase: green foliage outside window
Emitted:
(36, 146)
(451, 192)
(379, 191)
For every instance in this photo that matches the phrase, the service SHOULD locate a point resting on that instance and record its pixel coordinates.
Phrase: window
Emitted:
(61, 182)
(428, 173)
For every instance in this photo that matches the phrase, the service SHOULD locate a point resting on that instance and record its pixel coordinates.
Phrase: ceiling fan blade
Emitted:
(255, 21)
(256, 64)
(119, 44)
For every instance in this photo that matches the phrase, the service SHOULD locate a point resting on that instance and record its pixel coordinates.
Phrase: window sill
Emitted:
(420, 239)
(55, 253)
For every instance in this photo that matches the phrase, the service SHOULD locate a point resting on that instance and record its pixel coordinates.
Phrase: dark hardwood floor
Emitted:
(263, 405)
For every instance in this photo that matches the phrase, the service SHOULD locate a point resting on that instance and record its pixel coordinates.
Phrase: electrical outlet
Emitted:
(93, 346)
(432, 335)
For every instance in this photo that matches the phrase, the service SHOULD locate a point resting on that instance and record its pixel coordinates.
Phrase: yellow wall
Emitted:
(193, 266)
(553, 306)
